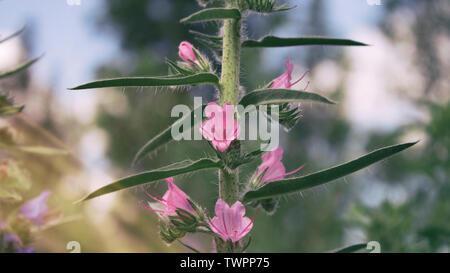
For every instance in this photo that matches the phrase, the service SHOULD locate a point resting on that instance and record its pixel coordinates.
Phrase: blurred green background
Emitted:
(393, 91)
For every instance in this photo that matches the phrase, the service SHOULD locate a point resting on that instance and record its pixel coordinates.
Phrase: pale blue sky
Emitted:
(74, 46)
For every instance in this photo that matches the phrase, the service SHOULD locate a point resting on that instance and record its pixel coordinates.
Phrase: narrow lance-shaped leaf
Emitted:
(265, 6)
(39, 150)
(213, 38)
(172, 80)
(12, 35)
(273, 41)
(287, 186)
(182, 167)
(210, 41)
(277, 96)
(351, 248)
(19, 68)
(166, 136)
(212, 14)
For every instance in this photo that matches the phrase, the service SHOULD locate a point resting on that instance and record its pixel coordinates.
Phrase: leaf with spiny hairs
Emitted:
(212, 14)
(272, 41)
(292, 185)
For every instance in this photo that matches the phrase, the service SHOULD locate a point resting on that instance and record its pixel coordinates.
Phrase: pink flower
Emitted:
(275, 169)
(221, 128)
(36, 209)
(173, 199)
(186, 52)
(284, 81)
(230, 222)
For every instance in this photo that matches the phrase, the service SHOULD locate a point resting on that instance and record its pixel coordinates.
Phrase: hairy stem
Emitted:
(229, 185)
(229, 83)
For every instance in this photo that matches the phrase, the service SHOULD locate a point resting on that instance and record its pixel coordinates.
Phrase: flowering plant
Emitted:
(222, 127)
(18, 224)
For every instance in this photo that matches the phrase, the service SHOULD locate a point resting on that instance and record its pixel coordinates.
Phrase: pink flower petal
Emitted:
(275, 168)
(186, 52)
(220, 128)
(230, 223)
(36, 209)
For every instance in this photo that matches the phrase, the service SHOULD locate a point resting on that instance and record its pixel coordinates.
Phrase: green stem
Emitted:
(229, 92)
(229, 185)
(229, 81)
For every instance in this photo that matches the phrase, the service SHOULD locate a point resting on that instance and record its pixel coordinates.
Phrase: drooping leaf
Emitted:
(351, 248)
(19, 68)
(166, 136)
(272, 41)
(178, 168)
(291, 185)
(12, 35)
(212, 14)
(172, 80)
(277, 96)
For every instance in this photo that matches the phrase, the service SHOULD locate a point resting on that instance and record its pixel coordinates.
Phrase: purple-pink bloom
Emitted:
(275, 169)
(230, 222)
(13, 243)
(186, 52)
(36, 209)
(220, 128)
(173, 199)
(285, 80)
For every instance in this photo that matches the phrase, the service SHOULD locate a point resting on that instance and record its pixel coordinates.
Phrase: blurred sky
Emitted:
(74, 46)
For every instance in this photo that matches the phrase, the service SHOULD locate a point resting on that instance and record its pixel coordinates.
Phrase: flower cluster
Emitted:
(178, 213)
(15, 235)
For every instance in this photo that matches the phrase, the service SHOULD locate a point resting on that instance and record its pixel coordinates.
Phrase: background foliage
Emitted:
(402, 203)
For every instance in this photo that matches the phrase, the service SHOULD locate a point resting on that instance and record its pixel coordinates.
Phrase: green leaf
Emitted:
(212, 38)
(264, 6)
(19, 68)
(172, 80)
(10, 110)
(12, 35)
(272, 41)
(291, 185)
(165, 136)
(277, 96)
(212, 42)
(7, 106)
(212, 14)
(351, 249)
(40, 150)
(175, 68)
(182, 167)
